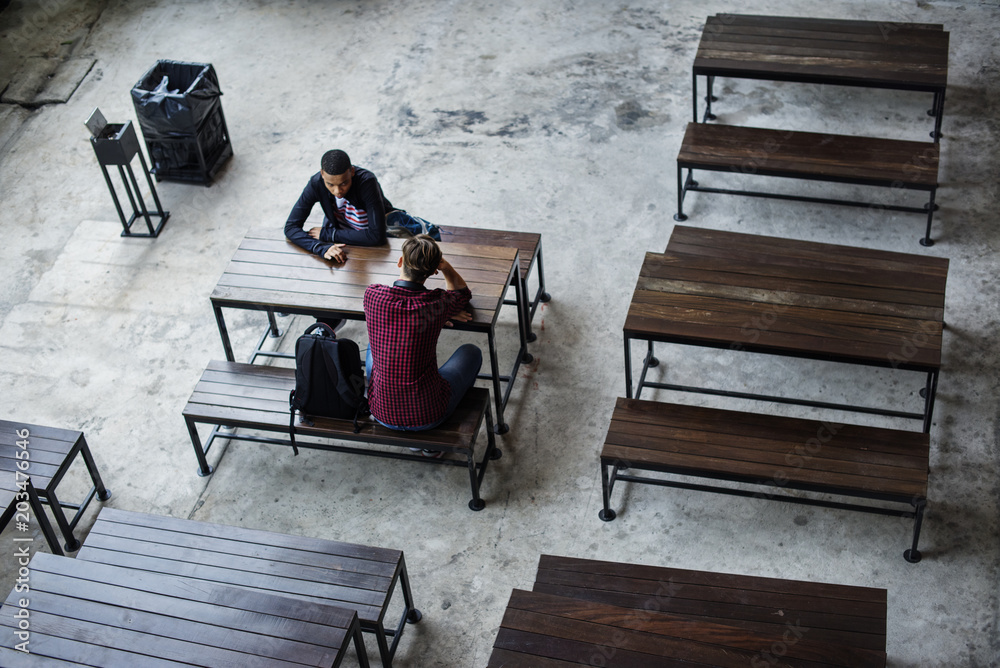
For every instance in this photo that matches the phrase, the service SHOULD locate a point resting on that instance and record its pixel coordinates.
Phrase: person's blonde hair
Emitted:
(421, 257)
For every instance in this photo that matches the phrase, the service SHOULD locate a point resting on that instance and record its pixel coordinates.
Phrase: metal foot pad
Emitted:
(414, 616)
(497, 454)
(501, 428)
(912, 556)
(107, 495)
(73, 547)
(607, 515)
(927, 242)
(276, 336)
(531, 337)
(680, 217)
(477, 504)
(528, 358)
(544, 297)
(206, 473)
(653, 362)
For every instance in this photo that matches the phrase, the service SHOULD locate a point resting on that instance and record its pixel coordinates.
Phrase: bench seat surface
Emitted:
(256, 397)
(844, 158)
(698, 441)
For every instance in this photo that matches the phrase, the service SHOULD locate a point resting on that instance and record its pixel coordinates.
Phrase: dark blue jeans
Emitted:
(460, 371)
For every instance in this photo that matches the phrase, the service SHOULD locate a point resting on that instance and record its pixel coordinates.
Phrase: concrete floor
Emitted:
(557, 116)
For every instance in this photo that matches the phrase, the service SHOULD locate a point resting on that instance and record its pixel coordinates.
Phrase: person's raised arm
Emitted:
(452, 279)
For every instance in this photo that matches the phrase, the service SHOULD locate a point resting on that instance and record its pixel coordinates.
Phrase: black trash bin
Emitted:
(180, 115)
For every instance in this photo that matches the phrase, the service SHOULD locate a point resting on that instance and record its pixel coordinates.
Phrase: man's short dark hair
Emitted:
(335, 162)
(421, 257)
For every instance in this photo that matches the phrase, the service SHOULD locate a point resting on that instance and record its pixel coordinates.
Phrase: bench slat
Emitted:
(851, 461)
(851, 159)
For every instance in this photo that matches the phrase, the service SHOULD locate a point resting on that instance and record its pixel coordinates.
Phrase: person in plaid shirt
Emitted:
(406, 390)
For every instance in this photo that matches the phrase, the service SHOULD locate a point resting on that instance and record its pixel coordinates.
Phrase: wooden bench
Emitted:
(845, 625)
(866, 161)
(51, 452)
(244, 396)
(313, 570)
(529, 246)
(779, 452)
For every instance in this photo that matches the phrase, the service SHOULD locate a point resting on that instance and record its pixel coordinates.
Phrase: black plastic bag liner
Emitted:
(173, 99)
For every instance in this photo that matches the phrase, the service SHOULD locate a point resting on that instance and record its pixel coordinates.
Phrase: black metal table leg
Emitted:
(931, 208)
(709, 116)
(501, 427)
(273, 324)
(43, 521)
(224, 333)
(522, 316)
(628, 367)
(103, 493)
(607, 514)
(199, 451)
(930, 394)
(694, 95)
(913, 554)
(681, 191)
(938, 115)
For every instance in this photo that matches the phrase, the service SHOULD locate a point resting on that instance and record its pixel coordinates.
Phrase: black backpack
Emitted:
(329, 380)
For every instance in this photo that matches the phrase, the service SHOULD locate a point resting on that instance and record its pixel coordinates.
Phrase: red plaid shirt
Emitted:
(405, 388)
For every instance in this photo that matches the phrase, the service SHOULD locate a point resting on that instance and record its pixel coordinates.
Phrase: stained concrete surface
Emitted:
(558, 116)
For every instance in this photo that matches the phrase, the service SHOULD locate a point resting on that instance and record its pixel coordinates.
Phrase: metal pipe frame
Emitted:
(608, 481)
(477, 470)
(410, 615)
(683, 187)
(936, 110)
(930, 389)
(48, 493)
(541, 296)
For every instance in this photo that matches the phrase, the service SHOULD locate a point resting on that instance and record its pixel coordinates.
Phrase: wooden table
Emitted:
(872, 54)
(598, 613)
(47, 455)
(270, 274)
(795, 298)
(308, 570)
(89, 614)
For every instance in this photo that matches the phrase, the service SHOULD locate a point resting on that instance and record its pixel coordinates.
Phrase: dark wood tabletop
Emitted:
(587, 612)
(881, 54)
(873, 54)
(312, 570)
(802, 299)
(267, 271)
(545, 631)
(806, 299)
(94, 614)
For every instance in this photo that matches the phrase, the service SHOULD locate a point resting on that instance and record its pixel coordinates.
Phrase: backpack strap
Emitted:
(291, 422)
